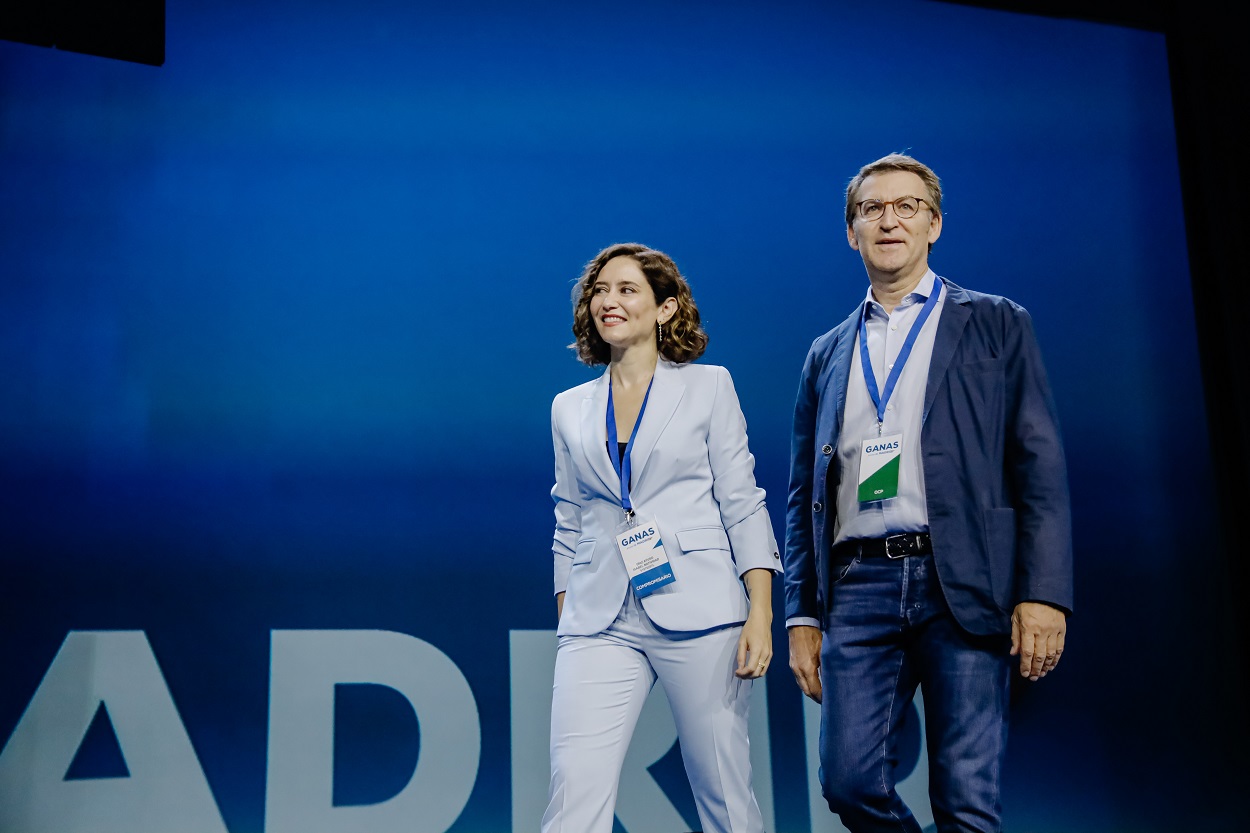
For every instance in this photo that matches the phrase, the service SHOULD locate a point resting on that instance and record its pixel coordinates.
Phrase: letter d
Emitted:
(305, 667)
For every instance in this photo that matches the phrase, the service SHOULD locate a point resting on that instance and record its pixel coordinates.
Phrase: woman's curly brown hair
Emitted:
(683, 338)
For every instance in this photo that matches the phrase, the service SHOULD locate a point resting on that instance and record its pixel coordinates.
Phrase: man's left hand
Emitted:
(1037, 633)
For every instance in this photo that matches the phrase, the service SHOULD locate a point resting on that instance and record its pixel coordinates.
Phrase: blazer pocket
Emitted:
(703, 538)
(981, 366)
(585, 549)
(979, 393)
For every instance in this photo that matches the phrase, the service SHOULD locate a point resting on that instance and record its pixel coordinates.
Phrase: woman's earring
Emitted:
(659, 330)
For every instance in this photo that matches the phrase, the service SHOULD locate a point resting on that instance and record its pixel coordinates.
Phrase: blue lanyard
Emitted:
(623, 466)
(870, 378)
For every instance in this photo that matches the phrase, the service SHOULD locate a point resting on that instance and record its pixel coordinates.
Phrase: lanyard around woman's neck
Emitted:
(621, 464)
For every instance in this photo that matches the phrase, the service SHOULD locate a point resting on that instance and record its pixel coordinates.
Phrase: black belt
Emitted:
(894, 546)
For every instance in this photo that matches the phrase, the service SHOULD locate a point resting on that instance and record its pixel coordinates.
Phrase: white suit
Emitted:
(692, 473)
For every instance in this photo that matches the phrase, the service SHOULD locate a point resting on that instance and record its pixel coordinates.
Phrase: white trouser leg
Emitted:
(711, 707)
(600, 687)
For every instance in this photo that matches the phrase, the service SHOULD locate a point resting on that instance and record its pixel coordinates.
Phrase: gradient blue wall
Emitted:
(280, 323)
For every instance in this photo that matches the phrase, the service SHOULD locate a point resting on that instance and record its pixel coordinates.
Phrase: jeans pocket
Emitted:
(840, 567)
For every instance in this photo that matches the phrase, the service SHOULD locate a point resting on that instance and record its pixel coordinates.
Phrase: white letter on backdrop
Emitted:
(165, 792)
(305, 667)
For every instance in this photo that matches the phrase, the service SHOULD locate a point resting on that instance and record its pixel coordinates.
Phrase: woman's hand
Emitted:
(755, 645)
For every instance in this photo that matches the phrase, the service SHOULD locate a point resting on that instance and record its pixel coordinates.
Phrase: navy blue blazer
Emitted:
(995, 478)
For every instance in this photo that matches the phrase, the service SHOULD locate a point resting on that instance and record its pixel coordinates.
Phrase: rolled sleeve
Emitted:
(567, 508)
(741, 501)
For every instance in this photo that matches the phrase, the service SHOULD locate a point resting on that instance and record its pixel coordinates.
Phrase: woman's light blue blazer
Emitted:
(692, 472)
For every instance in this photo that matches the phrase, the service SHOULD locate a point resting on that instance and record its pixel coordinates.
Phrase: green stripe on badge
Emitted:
(881, 484)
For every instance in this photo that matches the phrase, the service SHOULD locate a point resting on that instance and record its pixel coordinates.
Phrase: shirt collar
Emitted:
(917, 296)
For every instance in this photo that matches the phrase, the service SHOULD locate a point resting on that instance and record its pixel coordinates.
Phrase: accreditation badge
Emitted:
(641, 547)
(879, 462)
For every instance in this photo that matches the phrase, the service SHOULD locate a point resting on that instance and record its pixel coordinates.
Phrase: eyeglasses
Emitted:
(904, 208)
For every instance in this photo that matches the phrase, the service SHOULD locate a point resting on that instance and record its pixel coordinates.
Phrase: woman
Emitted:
(659, 525)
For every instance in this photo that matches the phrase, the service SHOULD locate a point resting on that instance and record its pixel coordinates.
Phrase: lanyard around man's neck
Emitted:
(882, 398)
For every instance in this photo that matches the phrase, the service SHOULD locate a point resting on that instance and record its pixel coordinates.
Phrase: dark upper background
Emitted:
(1208, 76)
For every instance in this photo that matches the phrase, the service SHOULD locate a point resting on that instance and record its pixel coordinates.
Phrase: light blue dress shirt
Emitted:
(905, 512)
(886, 334)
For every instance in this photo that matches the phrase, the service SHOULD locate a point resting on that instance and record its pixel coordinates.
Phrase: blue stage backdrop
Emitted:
(281, 321)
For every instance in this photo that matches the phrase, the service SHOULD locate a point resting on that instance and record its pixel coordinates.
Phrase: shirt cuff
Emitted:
(802, 620)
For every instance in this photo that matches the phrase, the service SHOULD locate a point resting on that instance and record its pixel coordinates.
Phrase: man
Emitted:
(928, 536)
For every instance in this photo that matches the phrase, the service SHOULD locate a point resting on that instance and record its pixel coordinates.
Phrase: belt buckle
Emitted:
(908, 544)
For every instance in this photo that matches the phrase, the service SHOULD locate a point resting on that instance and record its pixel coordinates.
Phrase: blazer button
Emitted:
(826, 449)
(816, 507)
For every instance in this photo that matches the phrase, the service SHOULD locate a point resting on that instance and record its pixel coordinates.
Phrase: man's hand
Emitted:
(805, 659)
(1037, 633)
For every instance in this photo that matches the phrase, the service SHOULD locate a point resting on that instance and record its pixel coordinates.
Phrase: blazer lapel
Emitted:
(595, 437)
(667, 390)
(955, 313)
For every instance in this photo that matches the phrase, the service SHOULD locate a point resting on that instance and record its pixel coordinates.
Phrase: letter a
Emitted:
(166, 791)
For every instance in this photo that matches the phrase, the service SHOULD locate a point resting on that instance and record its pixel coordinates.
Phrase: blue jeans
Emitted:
(889, 630)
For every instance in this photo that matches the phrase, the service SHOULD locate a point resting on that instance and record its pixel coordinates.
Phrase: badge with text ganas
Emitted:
(642, 549)
(879, 461)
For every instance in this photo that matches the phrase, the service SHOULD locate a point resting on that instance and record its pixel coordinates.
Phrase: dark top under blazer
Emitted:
(995, 478)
